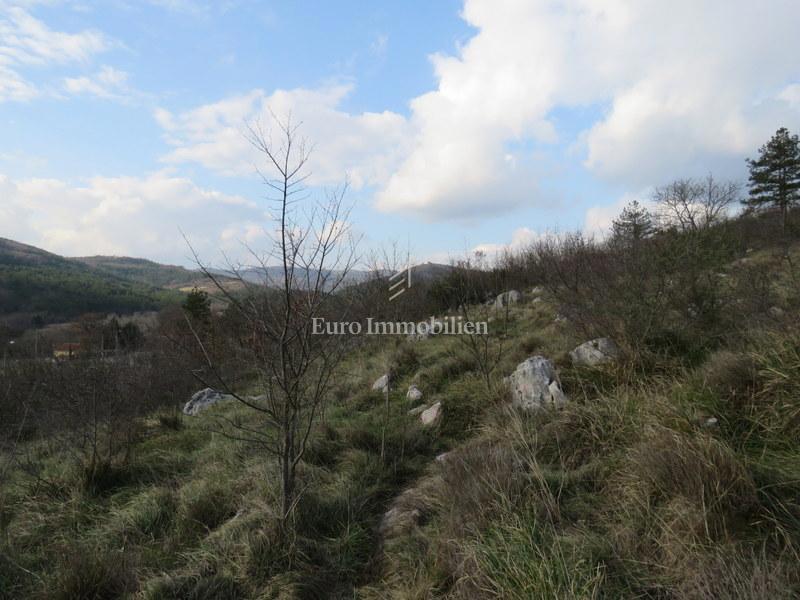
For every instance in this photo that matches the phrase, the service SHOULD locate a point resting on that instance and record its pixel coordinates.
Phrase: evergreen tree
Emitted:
(635, 223)
(775, 174)
(198, 305)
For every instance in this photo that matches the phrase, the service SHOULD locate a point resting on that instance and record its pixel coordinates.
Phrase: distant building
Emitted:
(66, 351)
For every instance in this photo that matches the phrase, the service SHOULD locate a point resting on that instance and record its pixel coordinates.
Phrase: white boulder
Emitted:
(595, 352)
(418, 409)
(202, 400)
(414, 393)
(431, 415)
(381, 383)
(507, 299)
(535, 384)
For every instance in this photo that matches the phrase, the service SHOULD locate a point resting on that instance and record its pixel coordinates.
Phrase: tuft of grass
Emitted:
(192, 587)
(85, 572)
(150, 514)
(204, 505)
(520, 558)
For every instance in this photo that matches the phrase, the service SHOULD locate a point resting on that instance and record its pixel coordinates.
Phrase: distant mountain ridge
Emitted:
(273, 276)
(38, 283)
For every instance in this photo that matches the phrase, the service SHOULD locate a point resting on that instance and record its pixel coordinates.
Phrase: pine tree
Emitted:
(775, 174)
(635, 223)
(198, 305)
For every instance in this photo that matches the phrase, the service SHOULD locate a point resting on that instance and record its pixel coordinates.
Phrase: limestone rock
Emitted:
(535, 384)
(414, 394)
(418, 409)
(381, 383)
(431, 415)
(507, 299)
(595, 352)
(203, 399)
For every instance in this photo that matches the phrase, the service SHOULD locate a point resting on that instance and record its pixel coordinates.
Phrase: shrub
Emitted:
(404, 359)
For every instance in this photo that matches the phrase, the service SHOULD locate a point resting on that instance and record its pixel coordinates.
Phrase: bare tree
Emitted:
(469, 281)
(312, 251)
(694, 205)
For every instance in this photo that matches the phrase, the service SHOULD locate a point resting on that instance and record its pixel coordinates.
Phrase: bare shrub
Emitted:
(693, 205)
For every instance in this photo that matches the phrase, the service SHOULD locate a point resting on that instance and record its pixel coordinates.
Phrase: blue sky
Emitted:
(462, 124)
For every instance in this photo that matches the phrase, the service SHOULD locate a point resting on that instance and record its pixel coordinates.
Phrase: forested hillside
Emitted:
(143, 271)
(36, 283)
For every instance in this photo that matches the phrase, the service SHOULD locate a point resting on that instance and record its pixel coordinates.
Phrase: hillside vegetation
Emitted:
(144, 271)
(37, 283)
(673, 472)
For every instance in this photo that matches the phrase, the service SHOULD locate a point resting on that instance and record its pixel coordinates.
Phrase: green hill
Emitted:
(143, 271)
(36, 282)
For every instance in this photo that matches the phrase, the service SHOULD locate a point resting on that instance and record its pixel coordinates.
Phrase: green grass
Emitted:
(624, 492)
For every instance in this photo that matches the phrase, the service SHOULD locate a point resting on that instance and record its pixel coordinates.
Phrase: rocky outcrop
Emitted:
(535, 384)
(507, 299)
(202, 400)
(595, 352)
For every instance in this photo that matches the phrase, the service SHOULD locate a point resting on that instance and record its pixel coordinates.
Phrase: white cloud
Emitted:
(682, 79)
(367, 146)
(127, 216)
(679, 89)
(791, 95)
(27, 42)
(520, 238)
(108, 83)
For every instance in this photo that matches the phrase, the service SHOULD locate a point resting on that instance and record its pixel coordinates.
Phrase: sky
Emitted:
(460, 125)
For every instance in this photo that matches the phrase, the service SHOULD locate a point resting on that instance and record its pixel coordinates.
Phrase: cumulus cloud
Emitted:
(520, 238)
(134, 216)
(366, 146)
(28, 42)
(687, 85)
(680, 88)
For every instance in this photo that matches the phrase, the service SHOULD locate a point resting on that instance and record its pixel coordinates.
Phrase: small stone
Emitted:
(776, 312)
(507, 299)
(202, 400)
(414, 394)
(595, 352)
(381, 383)
(431, 415)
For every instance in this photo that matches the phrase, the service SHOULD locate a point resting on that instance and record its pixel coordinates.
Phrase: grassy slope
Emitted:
(622, 493)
